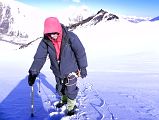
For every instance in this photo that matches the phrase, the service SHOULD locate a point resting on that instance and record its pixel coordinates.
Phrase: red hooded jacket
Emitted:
(52, 25)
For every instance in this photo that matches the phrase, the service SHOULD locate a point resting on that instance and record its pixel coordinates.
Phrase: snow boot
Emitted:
(71, 107)
(71, 112)
(62, 102)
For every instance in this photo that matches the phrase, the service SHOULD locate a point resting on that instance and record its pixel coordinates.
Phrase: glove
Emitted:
(31, 79)
(83, 72)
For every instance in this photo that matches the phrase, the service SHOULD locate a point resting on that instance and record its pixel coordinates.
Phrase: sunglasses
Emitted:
(55, 33)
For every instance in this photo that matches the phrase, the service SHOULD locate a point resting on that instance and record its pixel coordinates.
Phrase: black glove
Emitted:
(83, 72)
(31, 79)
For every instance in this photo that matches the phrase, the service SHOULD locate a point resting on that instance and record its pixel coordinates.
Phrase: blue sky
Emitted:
(145, 8)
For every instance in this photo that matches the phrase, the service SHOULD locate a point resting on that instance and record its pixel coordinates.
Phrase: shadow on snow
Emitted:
(17, 105)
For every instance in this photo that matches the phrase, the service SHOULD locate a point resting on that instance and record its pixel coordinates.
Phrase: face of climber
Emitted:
(54, 35)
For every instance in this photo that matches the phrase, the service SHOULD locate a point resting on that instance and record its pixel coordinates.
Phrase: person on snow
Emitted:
(67, 58)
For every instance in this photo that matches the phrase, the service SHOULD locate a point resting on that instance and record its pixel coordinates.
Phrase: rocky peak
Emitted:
(95, 19)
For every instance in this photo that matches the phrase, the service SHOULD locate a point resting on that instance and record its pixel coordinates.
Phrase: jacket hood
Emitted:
(51, 25)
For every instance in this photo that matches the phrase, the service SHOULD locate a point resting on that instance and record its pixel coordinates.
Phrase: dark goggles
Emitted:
(54, 33)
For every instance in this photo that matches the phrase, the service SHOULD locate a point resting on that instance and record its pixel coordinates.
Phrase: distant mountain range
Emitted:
(135, 19)
(16, 19)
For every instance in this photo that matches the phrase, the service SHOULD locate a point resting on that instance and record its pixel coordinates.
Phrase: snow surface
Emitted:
(122, 82)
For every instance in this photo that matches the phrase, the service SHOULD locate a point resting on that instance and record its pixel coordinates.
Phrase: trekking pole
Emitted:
(32, 101)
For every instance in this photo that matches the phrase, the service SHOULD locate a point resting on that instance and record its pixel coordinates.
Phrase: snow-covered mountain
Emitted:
(101, 15)
(155, 19)
(17, 20)
(10, 17)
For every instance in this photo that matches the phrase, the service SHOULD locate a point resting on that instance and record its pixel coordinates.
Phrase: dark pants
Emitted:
(67, 86)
